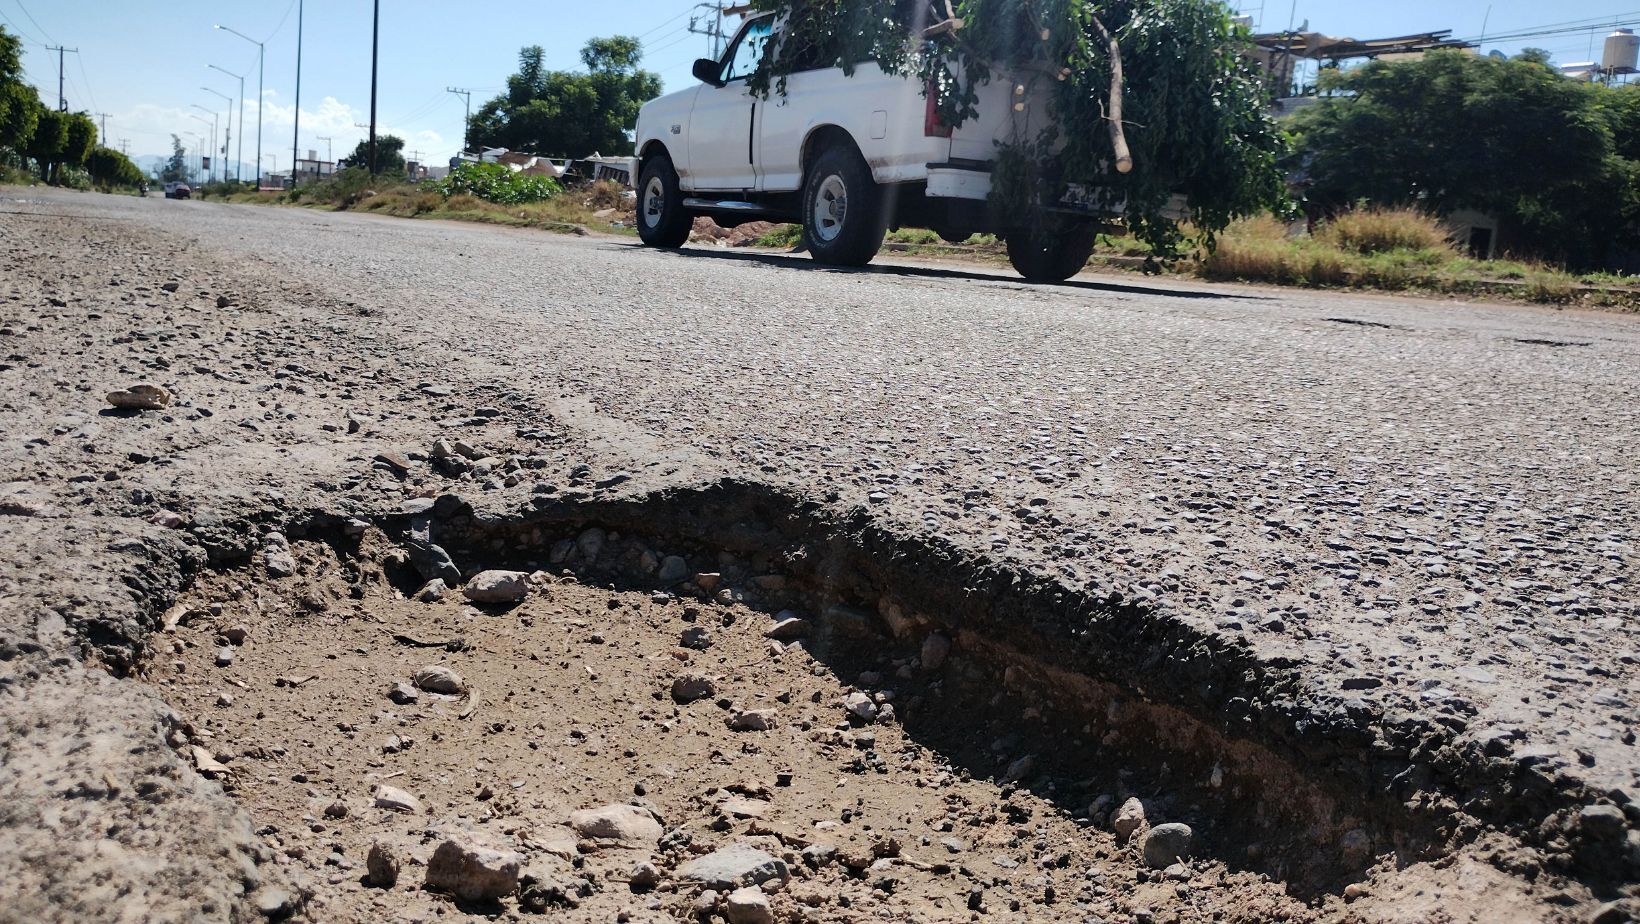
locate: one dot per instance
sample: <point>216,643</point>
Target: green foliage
<point>19,103</point>
<point>389,155</point>
<point>82,137</point>
<point>49,140</point>
<point>1195,113</point>
<point>497,183</point>
<point>568,113</point>
<point>109,168</point>
<point>176,168</point>
<point>1558,160</point>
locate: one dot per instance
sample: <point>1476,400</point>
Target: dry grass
<point>1386,230</point>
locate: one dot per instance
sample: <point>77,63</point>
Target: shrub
<point>1382,230</point>
<point>782,236</point>
<point>498,183</point>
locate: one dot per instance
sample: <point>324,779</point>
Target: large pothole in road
<point>933,738</point>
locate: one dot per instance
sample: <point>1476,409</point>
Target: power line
<point>35,21</point>
<point>80,60</point>
<point>666,23</point>
<point>26,35</point>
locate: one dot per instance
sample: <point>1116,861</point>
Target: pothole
<point>966,729</point>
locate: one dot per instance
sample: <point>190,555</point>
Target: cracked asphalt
<point>1428,505</point>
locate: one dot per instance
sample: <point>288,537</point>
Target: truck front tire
<point>1052,255</point>
<point>662,221</point>
<point>843,221</point>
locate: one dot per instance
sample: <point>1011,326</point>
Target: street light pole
<point>375,37</point>
<point>261,53</point>
<point>239,159</point>
<point>227,132</point>
<point>296,131</point>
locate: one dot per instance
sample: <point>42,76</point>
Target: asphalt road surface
<point>1429,505</point>
<point>1432,501</point>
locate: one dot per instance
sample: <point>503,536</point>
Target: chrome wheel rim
<point>830,208</point>
<point>654,201</point>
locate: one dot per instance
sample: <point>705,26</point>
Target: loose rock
<point>748,906</point>
<point>733,867</point>
<point>689,687</point>
<point>381,866</point>
<point>397,800</point>
<point>1128,819</point>
<point>470,869</point>
<point>1165,845</point>
<point>497,587</point>
<point>141,397</point>
<point>436,678</point>
<point>619,825</point>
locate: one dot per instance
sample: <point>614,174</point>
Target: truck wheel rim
<point>830,208</point>
<point>654,201</point>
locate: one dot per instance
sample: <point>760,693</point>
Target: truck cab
<point>847,155</point>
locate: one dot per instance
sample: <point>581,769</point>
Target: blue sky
<point>144,62</point>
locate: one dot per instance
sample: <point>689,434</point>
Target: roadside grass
<point>1393,250</point>
<point>1387,250</point>
<point>571,211</point>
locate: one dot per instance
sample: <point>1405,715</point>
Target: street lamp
<point>261,52</point>
<point>239,159</point>
<point>213,130</point>
<point>227,132</point>
<point>296,130</point>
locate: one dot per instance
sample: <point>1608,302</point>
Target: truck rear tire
<point>1052,254</point>
<point>662,221</point>
<point>843,223</point>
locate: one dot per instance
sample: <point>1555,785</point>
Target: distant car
<point>178,191</point>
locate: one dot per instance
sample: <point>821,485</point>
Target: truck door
<point>722,128</point>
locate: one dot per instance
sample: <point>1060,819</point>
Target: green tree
<point>175,169</point>
<point>48,142</point>
<point>569,113</point>
<point>82,137</point>
<point>110,168</point>
<point>389,155</point>
<point>19,103</point>
<point>1553,158</point>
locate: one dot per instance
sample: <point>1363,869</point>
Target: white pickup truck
<point>847,156</point>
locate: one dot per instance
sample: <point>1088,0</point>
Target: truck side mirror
<point>709,71</point>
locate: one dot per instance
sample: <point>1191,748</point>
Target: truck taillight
<point>932,126</point>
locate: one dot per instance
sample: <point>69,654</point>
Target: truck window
<point>748,51</point>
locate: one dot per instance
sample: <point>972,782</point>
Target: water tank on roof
<point>1622,52</point>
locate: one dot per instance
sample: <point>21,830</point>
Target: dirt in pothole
<point>570,706</point>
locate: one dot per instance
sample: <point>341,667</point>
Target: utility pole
<point>103,134</point>
<point>261,53</point>
<point>62,101</point>
<point>329,155</point>
<point>375,43</point>
<point>296,131</point>
<point>125,146</point>
<point>713,30</point>
<point>467,122</point>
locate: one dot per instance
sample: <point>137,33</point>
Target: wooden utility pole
<point>62,101</point>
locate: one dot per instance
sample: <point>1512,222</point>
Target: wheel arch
<point>654,147</point>
<point>822,137</point>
